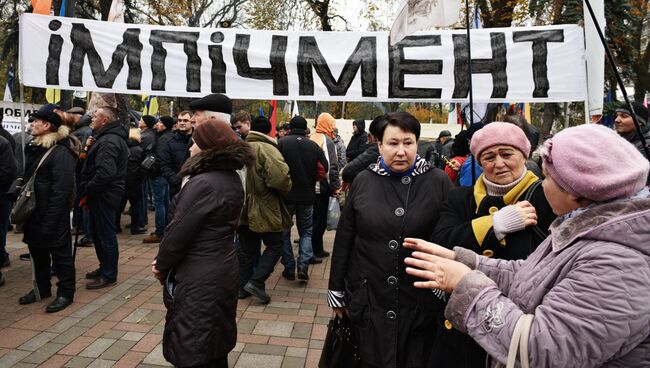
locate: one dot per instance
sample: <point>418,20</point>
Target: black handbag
<point>340,349</point>
<point>26,202</point>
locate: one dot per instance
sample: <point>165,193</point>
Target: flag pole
<point>619,80</point>
<point>469,74</point>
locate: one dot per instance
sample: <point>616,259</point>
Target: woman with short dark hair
<point>398,196</point>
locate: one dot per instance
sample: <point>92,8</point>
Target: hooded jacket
<point>358,141</point>
<point>54,187</point>
<point>104,173</point>
<point>588,286</point>
<point>266,184</point>
<point>198,256</point>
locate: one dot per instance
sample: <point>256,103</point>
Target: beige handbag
<point>519,342</point>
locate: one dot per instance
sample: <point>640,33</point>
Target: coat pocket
<point>359,303</point>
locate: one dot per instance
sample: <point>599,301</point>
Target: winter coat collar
<point>48,140</point>
<point>260,138</point>
<point>480,191</point>
<point>233,157</point>
<point>600,221</point>
<point>420,166</point>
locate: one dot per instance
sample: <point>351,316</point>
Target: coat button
<point>393,244</point>
<point>448,325</point>
<point>488,253</point>
<point>391,315</point>
<point>399,211</point>
<point>406,180</point>
<point>392,280</point>
<point>493,210</point>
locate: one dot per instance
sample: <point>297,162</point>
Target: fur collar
<point>233,157</point>
<point>50,139</point>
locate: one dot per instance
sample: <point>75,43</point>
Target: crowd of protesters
<point>441,246</point>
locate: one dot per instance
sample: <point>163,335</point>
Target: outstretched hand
<point>428,247</point>
<point>438,272</point>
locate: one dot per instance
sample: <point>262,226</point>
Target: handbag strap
<point>43,159</point>
<point>519,342</point>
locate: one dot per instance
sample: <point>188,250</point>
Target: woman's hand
<point>156,273</point>
<point>527,213</point>
<point>440,273</point>
<point>340,312</point>
<point>430,248</point>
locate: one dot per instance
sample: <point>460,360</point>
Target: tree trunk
<point>548,118</point>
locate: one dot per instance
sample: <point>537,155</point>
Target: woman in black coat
<point>196,262</point>
<point>398,197</point>
<point>504,215</point>
<point>47,230</point>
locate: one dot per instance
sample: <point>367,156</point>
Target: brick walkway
<point>122,326</point>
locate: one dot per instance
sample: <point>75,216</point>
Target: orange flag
<point>42,6</point>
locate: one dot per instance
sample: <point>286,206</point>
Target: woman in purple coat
<point>587,286</point>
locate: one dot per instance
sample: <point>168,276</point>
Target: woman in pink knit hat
<point>581,298</point>
<point>505,215</point>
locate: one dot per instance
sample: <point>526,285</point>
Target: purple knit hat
<point>499,133</point>
<point>593,162</point>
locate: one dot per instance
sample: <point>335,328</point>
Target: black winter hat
<point>46,112</point>
<point>298,122</point>
<point>167,121</point>
<point>149,120</point>
<point>261,124</point>
<point>640,110</point>
<point>216,102</point>
<point>444,133</point>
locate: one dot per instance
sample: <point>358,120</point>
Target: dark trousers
<point>102,230</point>
<point>320,222</point>
<point>135,208</point>
<point>61,259</point>
<point>249,251</point>
<point>5,212</point>
<point>160,203</point>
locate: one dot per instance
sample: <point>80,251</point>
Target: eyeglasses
<point>184,120</point>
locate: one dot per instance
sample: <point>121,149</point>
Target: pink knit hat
<point>499,133</point>
<point>593,162</point>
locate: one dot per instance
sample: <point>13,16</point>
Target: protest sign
<point>11,113</point>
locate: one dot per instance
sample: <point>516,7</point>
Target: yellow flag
<point>527,112</point>
<point>150,105</point>
<point>53,95</point>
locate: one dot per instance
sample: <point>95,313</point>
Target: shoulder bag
<point>519,343</point>
<point>26,202</point>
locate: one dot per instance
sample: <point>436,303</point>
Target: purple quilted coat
<point>588,285</point>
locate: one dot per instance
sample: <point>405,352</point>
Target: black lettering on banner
<point>278,70</point>
<point>540,55</point>
<point>193,67</point>
<point>399,66</point>
<point>364,56</point>
<point>53,54</point>
<point>218,71</point>
<point>495,66</point>
<point>82,46</point>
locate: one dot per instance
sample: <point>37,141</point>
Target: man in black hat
<point>443,146</point>
<point>103,181</point>
<point>47,230</point>
<point>215,106</point>
<point>307,165</point>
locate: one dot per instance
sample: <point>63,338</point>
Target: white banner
<point>11,113</point>
<point>536,64</point>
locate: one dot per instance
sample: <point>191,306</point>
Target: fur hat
<point>498,133</point>
<point>593,162</point>
<point>213,134</point>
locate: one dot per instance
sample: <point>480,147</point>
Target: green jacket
<point>267,182</point>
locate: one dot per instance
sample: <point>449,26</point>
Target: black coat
<point>134,176</point>
<point>357,145</point>
<point>455,228</point>
<point>393,318</point>
<point>302,156</point>
<point>198,254</point>
<point>148,139</point>
<point>7,166</point>
<point>172,153</point>
<point>104,172</point>
<point>368,157</point>
<point>161,141</point>
<point>54,187</point>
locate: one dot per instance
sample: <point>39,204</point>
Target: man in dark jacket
<point>624,125</point>
<point>7,176</point>
<point>174,151</point>
<point>359,140</point>
<point>369,156</point>
<point>307,165</point>
<point>103,179</point>
<point>47,230</point>
<point>158,182</point>
<point>264,215</point>
<point>443,147</point>
<point>148,135</point>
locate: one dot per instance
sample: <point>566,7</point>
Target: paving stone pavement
<point>122,326</point>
